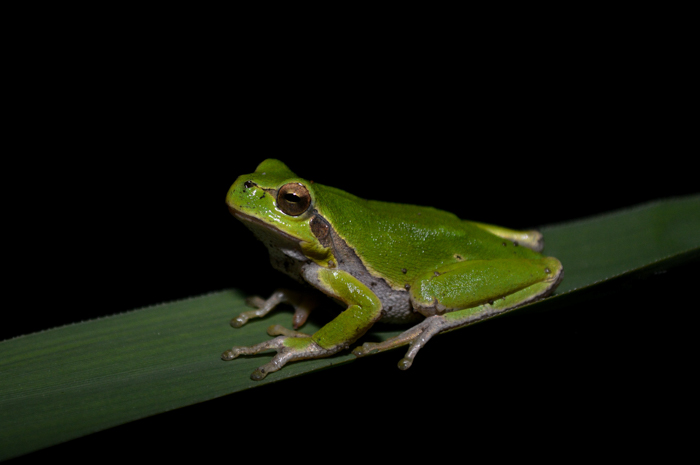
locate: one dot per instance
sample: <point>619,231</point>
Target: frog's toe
<point>366,349</point>
<point>244,317</point>
<point>428,328</point>
<point>283,356</point>
<point>405,363</point>
<point>262,371</point>
<point>230,354</point>
<point>239,321</point>
<point>235,351</point>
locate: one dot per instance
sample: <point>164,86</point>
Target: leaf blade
<point>70,381</point>
<point>609,245</point>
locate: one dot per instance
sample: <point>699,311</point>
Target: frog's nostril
<point>248,184</point>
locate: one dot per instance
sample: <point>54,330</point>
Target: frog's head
<point>275,200</point>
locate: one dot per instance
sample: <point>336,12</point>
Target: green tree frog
<point>383,261</point>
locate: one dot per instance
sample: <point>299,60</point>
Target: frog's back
<point>399,241</point>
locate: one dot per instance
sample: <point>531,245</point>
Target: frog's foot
<point>416,336</point>
<point>288,349</point>
<point>303,305</point>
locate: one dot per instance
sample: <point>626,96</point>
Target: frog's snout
<point>231,195</point>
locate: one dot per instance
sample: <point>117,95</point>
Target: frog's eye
<point>293,198</point>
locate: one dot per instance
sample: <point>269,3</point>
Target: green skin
<point>385,261</point>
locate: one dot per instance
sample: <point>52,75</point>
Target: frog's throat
<point>256,221</point>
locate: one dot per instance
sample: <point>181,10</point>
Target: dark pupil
<point>293,198</point>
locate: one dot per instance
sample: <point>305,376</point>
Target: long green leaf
<point>68,382</point>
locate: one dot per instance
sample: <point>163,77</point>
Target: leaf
<point>71,381</point>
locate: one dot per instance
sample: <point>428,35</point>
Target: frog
<point>382,262</point>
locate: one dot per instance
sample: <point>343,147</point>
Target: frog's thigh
<point>503,283</point>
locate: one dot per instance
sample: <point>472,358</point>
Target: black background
<point>127,158</point>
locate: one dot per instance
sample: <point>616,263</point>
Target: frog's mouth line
<point>251,219</point>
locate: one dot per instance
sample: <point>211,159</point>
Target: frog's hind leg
<point>417,336</point>
<point>420,334</point>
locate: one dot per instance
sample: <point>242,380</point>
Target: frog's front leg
<point>364,308</point>
<point>467,292</point>
<point>288,348</point>
<point>303,304</point>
